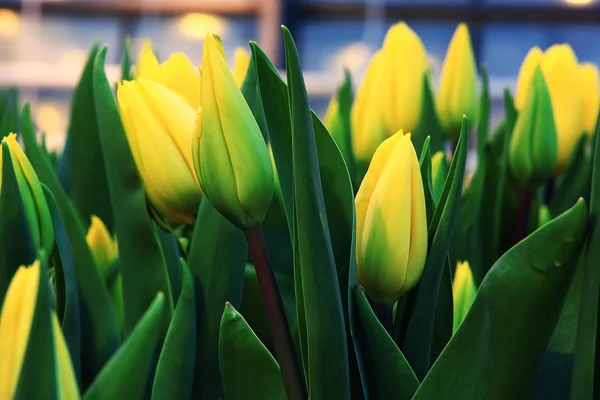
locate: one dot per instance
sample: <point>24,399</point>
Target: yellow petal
<point>181,76</point>
<point>147,64</point>
<point>591,96</point>
<point>67,382</point>
<point>15,325</point>
<point>532,59</point>
<point>241,61</point>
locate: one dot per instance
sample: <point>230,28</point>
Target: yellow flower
<point>36,209</point>
<point>181,76</point>
<point>241,61</point>
<point>591,96</point>
<point>15,326</point>
<point>368,127</point>
<point>563,77</point>
<point>147,64</point>
<point>458,85</point>
<point>230,155</point>
<point>66,381</point>
<point>102,245</point>
<point>159,127</point>
<point>405,65</point>
<point>391,222</point>
<point>463,292</point>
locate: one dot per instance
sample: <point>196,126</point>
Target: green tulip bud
<point>34,202</point>
<point>231,159</point>
<point>439,172</point>
<point>463,292</point>
<point>533,149</point>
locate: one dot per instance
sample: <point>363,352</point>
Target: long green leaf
<point>217,260</point>
<point>483,126</point>
<point>425,164</point>
<point>175,369</point>
<point>429,123</point>
<point>497,348</point>
<point>128,372</point>
<point>82,157</point>
<point>419,336</point>
<point>574,182</point>
<point>249,371</point>
<point>391,374</point>
<point>321,316</point>
<point>98,320</point>
<point>137,238</point>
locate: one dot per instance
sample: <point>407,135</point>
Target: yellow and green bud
<point>241,61</point>
<point>405,64</point>
<point>34,202</point>
<point>591,97</point>
<point>368,126</point>
<point>463,292</point>
<point>544,215</point>
<point>230,155</point>
<point>458,93</point>
<point>391,222</point>
<point>159,125</point>
<point>533,148</point>
<point>439,172</point>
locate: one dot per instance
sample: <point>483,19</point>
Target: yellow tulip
<point>230,155</point>
<point>34,201</point>
<point>458,85</point>
<point>67,383</point>
<point>463,292</point>
<point>102,245</point>
<point>591,96</point>
<point>181,76</point>
<point>368,127</point>
<point>391,222</point>
<point>405,65</point>
<point>563,77</point>
<point>15,326</point>
<point>147,64</point>
<point>159,125</point>
<point>241,61</point>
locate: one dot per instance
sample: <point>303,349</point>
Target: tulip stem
<point>522,223</point>
<point>280,331</point>
<point>385,314</point>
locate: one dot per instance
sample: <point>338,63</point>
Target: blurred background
<point>44,43</point>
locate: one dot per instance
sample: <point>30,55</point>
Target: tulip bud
<point>338,127</point>
<point>147,64</point>
<point>368,129</point>
<point>591,97</point>
<point>181,76</point>
<point>34,202</point>
<point>544,216</point>
<point>439,172</point>
<point>533,144</point>
<point>230,155</point>
<point>241,61</point>
<point>405,63</point>
<point>458,85</point>
<point>463,292</point>
<point>67,383</point>
<point>103,247</point>
<point>530,63</point>
<point>391,222</point>
<point>159,125</point>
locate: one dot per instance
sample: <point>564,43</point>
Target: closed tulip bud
<point>230,155</point>
<point>591,97</point>
<point>159,125</point>
<point>463,292</point>
<point>103,246</point>
<point>544,215</point>
<point>338,127</point>
<point>391,222</point>
<point>458,85</point>
<point>66,381</point>
<point>439,172</point>
<point>405,64</point>
<point>533,144</point>
<point>368,129</point>
<point>563,78</point>
<point>147,64</point>
<point>34,202</point>
<point>241,61</point>
<point>181,76</point>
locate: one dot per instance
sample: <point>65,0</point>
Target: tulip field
<point>204,234</point>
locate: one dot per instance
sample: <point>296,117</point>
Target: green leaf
<point>392,376</point>
<point>342,129</point>
<point>429,123</point>
<point>419,336</point>
<point>320,314</point>
<point>175,369</point>
<point>66,285</point>
<point>126,74</point>
<point>216,260</point>
<point>171,250</point>
<point>483,126</point>
<point>14,228</point>
<point>497,349</point>
<point>128,372</point>
<point>82,158</point>
<point>37,378</point>
<point>425,164</point>
<point>444,314</point>
<point>137,238</point>
<point>249,371</point>
<point>97,317</point>
<point>250,91</point>
<point>586,366</point>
